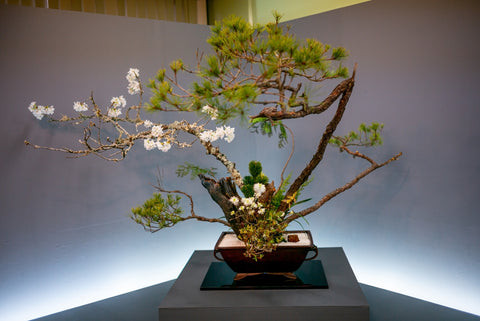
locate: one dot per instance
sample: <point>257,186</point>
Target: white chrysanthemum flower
<point>234,200</point>
<point>259,189</point>
<point>80,106</point>
<point>261,211</point>
<point>229,133</point>
<point>114,112</point>
<point>248,201</point>
<point>210,111</point>
<point>157,131</point>
<point>149,144</point>
<point>118,102</point>
<point>147,123</point>
<point>164,146</point>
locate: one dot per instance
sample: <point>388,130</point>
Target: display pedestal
<point>343,300</point>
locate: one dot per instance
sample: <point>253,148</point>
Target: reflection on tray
<point>309,276</point>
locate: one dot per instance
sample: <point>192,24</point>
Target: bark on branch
<point>275,114</point>
<point>221,192</point>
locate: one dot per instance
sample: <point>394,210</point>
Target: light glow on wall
<point>49,296</point>
<point>424,289</point>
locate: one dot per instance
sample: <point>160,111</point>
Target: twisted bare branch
<point>318,155</point>
<point>374,166</point>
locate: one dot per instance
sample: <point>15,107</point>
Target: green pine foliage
<point>194,170</point>
<point>265,126</point>
<point>158,212</point>
<point>256,176</point>
<point>248,61</point>
<point>366,135</point>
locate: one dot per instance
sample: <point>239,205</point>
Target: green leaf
<point>302,201</point>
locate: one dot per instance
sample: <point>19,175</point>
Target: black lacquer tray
<point>221,277</point>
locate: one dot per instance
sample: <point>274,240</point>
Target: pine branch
<point>318,156</point>
<point>193,215</point>
<point>275,114</point>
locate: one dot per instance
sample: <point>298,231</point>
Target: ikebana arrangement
<point>259,75</point>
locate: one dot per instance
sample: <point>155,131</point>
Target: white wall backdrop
<point>413,227</point>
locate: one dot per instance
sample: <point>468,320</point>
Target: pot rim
<point>287,244</point>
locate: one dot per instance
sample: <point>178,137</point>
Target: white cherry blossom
<point>164,146</point>
<point>80,106</point>
<point>133,74</point>
<point>157,131</point>
<point>229,133</point>
<point>39,111</point>
<point>118,102</point>
<point>208,136</point>
<point>149,144</point>
<point>133,83</point>
<point>114,112</point>
<point>210,111</point>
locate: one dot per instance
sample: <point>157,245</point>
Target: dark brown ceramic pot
<point>288,256</point>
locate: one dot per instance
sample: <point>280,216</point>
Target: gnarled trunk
<point>221,192</point>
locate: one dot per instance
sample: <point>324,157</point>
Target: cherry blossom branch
<point>211,150</point>
<point>122,145</point>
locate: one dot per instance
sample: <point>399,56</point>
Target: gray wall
<point>413,227</point>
